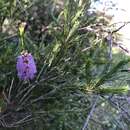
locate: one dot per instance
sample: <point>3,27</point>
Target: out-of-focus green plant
<point>73,66</point>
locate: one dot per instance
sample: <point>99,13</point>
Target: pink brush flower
<point>26,67</point>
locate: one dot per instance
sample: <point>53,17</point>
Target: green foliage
<point>70,64</point>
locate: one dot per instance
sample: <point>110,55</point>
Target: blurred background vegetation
<point>82,81</point>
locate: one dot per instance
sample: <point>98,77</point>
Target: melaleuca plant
<point>55,88</point>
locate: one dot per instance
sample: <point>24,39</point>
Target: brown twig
<point>90,114</point>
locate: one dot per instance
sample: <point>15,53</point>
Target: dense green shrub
<point>73,67</point>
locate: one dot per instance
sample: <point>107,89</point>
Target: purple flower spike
<point>26,66</point>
